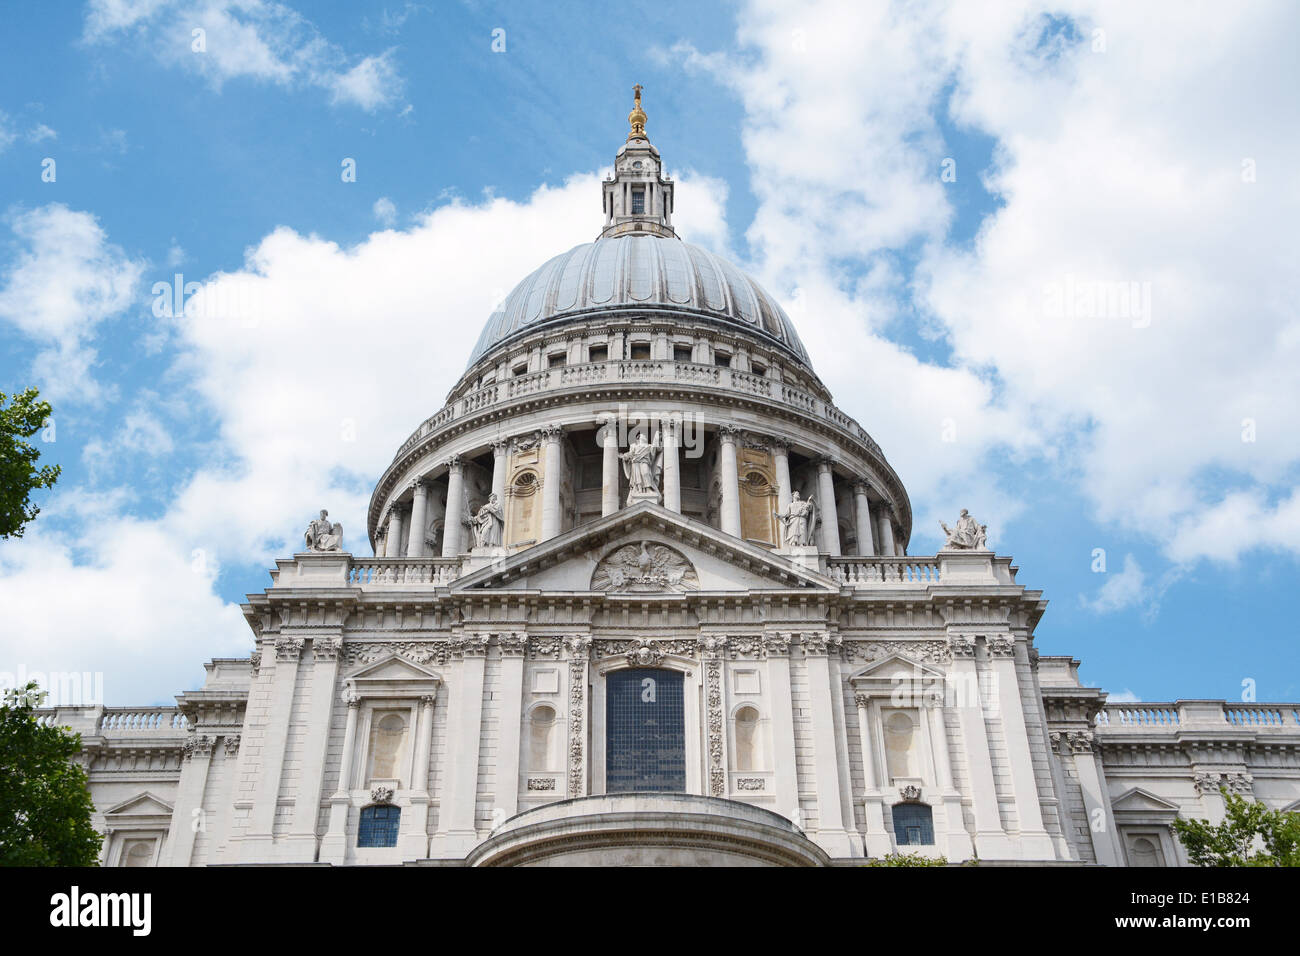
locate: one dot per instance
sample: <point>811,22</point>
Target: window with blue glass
<point>645,731</point>
<point>379,826</point>
<point>913,824</point>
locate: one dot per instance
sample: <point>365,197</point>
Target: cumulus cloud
<point>315,361</point>
<point>385,211</point>
<point>1124,315</point>
<point>260,40</point>
<point>65,279</point>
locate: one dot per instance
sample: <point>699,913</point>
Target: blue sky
<point>1095,147</point>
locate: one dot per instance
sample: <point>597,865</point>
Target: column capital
<point>825,463</point>
<point>419,485</point>
<point>961,645</point>
<point>500,446</point>
<point>396,508</point>
<point>454,463</point>
<point>862,700</point>
<point>1001,645</point>
<point>326,648</point>
<point>778,446</point>
<point>860,486</point>
<point>513,645</point>
<point>551,433</point>
<point>288,648</point>
<point>426,700</point>
<point>728,433</point>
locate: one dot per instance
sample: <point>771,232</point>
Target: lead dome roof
<point>618,273</point>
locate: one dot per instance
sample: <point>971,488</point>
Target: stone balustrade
<point>636,371</point>
<point>1198,715</point>
<point>127,721</point>
<point>881,571</point>
<point>370,572</point>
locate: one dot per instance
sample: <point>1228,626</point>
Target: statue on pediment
<point>799,523</point>
<point>488,524</point>
<point>643,463</point>
<point>321,535</point>
<point>966,535</point>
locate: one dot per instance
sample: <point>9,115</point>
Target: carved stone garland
<point>713,697</point>
<point>580,648</point>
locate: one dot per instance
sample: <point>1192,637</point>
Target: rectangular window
<point>640,351</point>
<point>759,368</point>
<point>638,201</point>
<point>521,369</point>
<point>722,359</point>
<point>555,360</point>
<point>645,731</point>
<point>379,826</point>
<point>598,353</point>
<point>682,353</point>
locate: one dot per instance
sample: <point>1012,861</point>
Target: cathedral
<point>640,593</point>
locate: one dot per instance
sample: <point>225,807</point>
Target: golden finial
<point>637,116</point>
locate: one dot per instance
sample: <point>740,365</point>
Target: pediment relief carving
<point>645,567</point>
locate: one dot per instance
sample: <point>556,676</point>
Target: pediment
<point>142,804</point>
<point>1142,801</point>
<point>393,668</point>
<point>896,667</point>
<point>642,550</point>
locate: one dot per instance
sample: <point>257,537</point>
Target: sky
<point>1044,253</point>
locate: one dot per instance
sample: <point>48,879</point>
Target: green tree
<point>19,477</point>
<point>907,859</point>
<point>45,806</point>
<point>1233,841</point>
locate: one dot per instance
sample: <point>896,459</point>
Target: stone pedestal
<point>805,556</point>
<point>482,557</point>
<point>636,497</point>
<point>966,567</point>
<point>314,569</point>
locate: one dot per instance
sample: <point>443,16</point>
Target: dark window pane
<point>379,826</point>
<point>638,202</point>
<point>913,824</point>
<point>645,731</point>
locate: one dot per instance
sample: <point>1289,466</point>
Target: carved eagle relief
<point>645,567</point>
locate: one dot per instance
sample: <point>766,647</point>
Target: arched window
<point>645,731</point>
<point>138,853</point>
<point>749,754</point>
<point>541,739</point>
<point>386,746</point>
<point>900,731</point>
<point>379,826</point>
<point>913,824</point>
<point>1144,852</point>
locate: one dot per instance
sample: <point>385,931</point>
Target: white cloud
<point>259,40</point>
<point>7,132</point>
<point>66,278</point>
<point>385,211</point>
<point>40,132</point>
<point>1117,167</point>
<point>1122,589</point>
<point>1124,696</point>
<point>346,352</point>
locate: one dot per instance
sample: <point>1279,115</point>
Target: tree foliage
<point>1250,834</point>
<point>45,806</point>
<point>907,859</point>
<point>20,419</point>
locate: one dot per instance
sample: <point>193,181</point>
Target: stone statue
<point>967,535</point>
<point>488,524</point>
<point>799,522</point>
<point>643,463</point>
<point>323,536</point>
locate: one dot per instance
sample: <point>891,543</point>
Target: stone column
<point>259,842</point>
<point>453,526</point>
<point>333,848</point>
<point>959,842</point>
<point>609,465</point>
<point>393,540</point>
<point>419,518</point>
<point>513,648</point>
<point>465,724</point>
<point>886,542</point>
<point>500,450</point>
<point>831,835</point>
<point>990,839</point>
<point>827,517</point>
<point>1105,844</point>
<point>672,468</point>
<point>195,764</point>
<point>877,842</point>
<point>862,519</point>
<point>776,647</point>
<point>781,460</point>
<point>551,481</point>
<point>301,843</point>
<point>1035,844</point>
<point>730,517</point>
<point>414,838</point>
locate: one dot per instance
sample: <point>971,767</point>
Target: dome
<point>639,272</point>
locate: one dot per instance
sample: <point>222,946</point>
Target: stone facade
<point>822,700</point>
